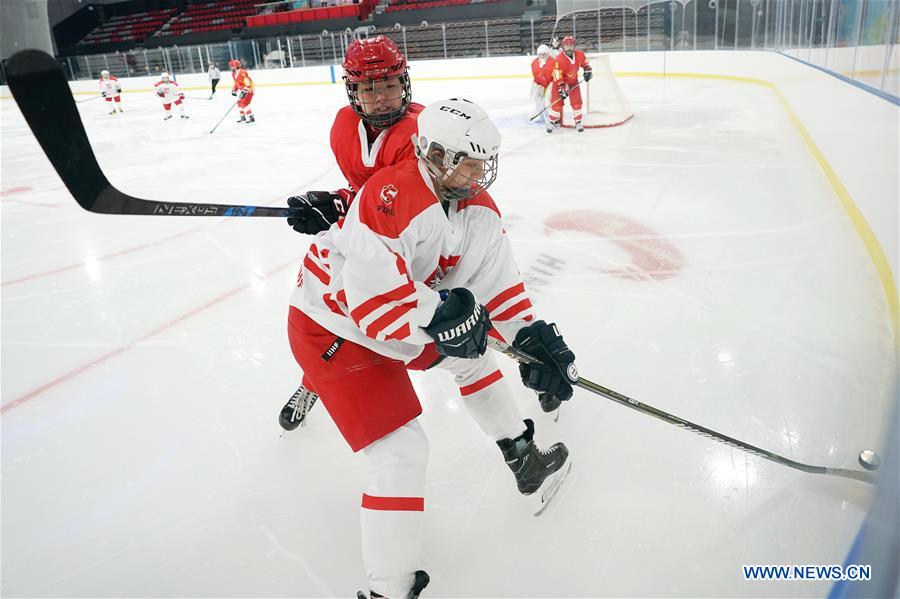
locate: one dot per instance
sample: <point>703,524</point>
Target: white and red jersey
<point>110,86</point>
<point>542,73</point>
<point>374,278</point>
<point>566,68</point>
<point>359,160</point>
<point>168,91</point>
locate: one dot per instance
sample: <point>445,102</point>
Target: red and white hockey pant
<point>244,104</point>
<point>179,103</point>
<point>373,403</point>
<point>556,102</point>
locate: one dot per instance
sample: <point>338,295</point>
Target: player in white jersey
<point>168,93</point>
<point>111,90</point>
<point>417,275</point>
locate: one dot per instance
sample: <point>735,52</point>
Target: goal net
<point>603,103</point>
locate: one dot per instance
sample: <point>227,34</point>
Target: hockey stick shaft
<point>39,86</point>
<point>628,402</point>
<point>227,112</point>
<point>89,99</point>
<point>560,99</point>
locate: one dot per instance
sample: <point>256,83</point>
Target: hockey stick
<point>227,112</point>
<point>547,107</point>
<point>520,356</point>
<point>40,88</point>
<point>89,99</point>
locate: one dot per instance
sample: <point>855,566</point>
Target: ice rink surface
<point>695,259</point>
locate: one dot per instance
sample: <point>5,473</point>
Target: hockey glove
<point>161,94</point>
<point>242,94</point>
<point>103,94</point>
<point>317,210</point>
<point>460,325</point>
<point>234,92</point>
<point>118,90</point>
<point>553,377</point>
<point>563,91</point>
<point>588,73</point>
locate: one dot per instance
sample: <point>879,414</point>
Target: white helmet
<point>451,131</point>
<point>104,73</point>
<point>543,51</point>
<point>164,75</point>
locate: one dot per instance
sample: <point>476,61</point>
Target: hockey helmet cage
<point>449,132</point>
<point>371,60</point>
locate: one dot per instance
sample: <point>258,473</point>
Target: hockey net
<point>603,103</point>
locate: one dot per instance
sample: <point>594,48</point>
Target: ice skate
<point>420,581</point>
<point>167,117</point>
<point>538,473</point>
<point>252,119</point>
<point>184,116</point>
<point>579,127</point>
<point>243,119</point>
<point>294,412</point>
<point>549,128</point>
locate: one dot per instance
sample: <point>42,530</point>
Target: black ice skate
<point>294,412</point>
<point>420,581</point>
<point>243,119</point>
<point>184,116</point>
<point>579,127</point>
<point>252,119</point>
<point>550,126</point>
<point>538,473</point>
<point>167,117</point>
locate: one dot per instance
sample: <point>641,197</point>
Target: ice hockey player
<point>168,93</point>
<point>111,90</point>
<point>566,84</point>
<point>370,133</point>
<point>243,89</point>
<point>542,77</point>
<point>398,285</point>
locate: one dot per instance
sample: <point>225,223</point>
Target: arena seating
<point>344,11</point>
<point>210,16</point>
<point>131,28</point>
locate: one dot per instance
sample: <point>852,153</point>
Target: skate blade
<point>543,496</point>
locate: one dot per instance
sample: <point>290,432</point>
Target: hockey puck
<point>869,460</point>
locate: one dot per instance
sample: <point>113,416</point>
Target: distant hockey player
<point>554,47</point>
<point>381,112</point>
<point>111,90</point>
<point>243,89</point>
<point>214,76</point>
<point>542,77</point>
<point>417,275</point>
<point>168,93</point>
<point>566,84</point>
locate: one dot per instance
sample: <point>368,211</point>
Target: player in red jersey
<point>566,84</point>
<point>542,76</point>
<point>243,89</point>
<point>373,131</point>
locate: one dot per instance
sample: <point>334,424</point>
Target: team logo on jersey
<point>388,194</point>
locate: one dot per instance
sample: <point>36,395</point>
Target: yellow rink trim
<point>870,241</point>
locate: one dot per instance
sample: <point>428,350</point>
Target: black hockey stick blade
<point>583,383</point>
<point>39,86</point>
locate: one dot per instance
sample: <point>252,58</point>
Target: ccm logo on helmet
<point>452,110</point>
<point>388,193</point>
<point>462,328</point>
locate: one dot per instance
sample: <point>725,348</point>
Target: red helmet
<point>569,40</point>
<point>376,59</point>
<point>234,64</point>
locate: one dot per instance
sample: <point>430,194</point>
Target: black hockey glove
<point>563,91</point>
<point>588,73</point>
<point>460,325</point>
<point>234,92</point>
<point>103,94</point>
<point>317,210</point>
<point>242,94</point>
<point>552,378</point>
<point>118,90</point>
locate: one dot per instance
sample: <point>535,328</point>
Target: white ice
<point>700,263</point>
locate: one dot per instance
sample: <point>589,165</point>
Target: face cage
<point>445,170</point>
<point>380,121</point>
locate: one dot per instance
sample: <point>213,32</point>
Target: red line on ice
<point>105,357</point>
